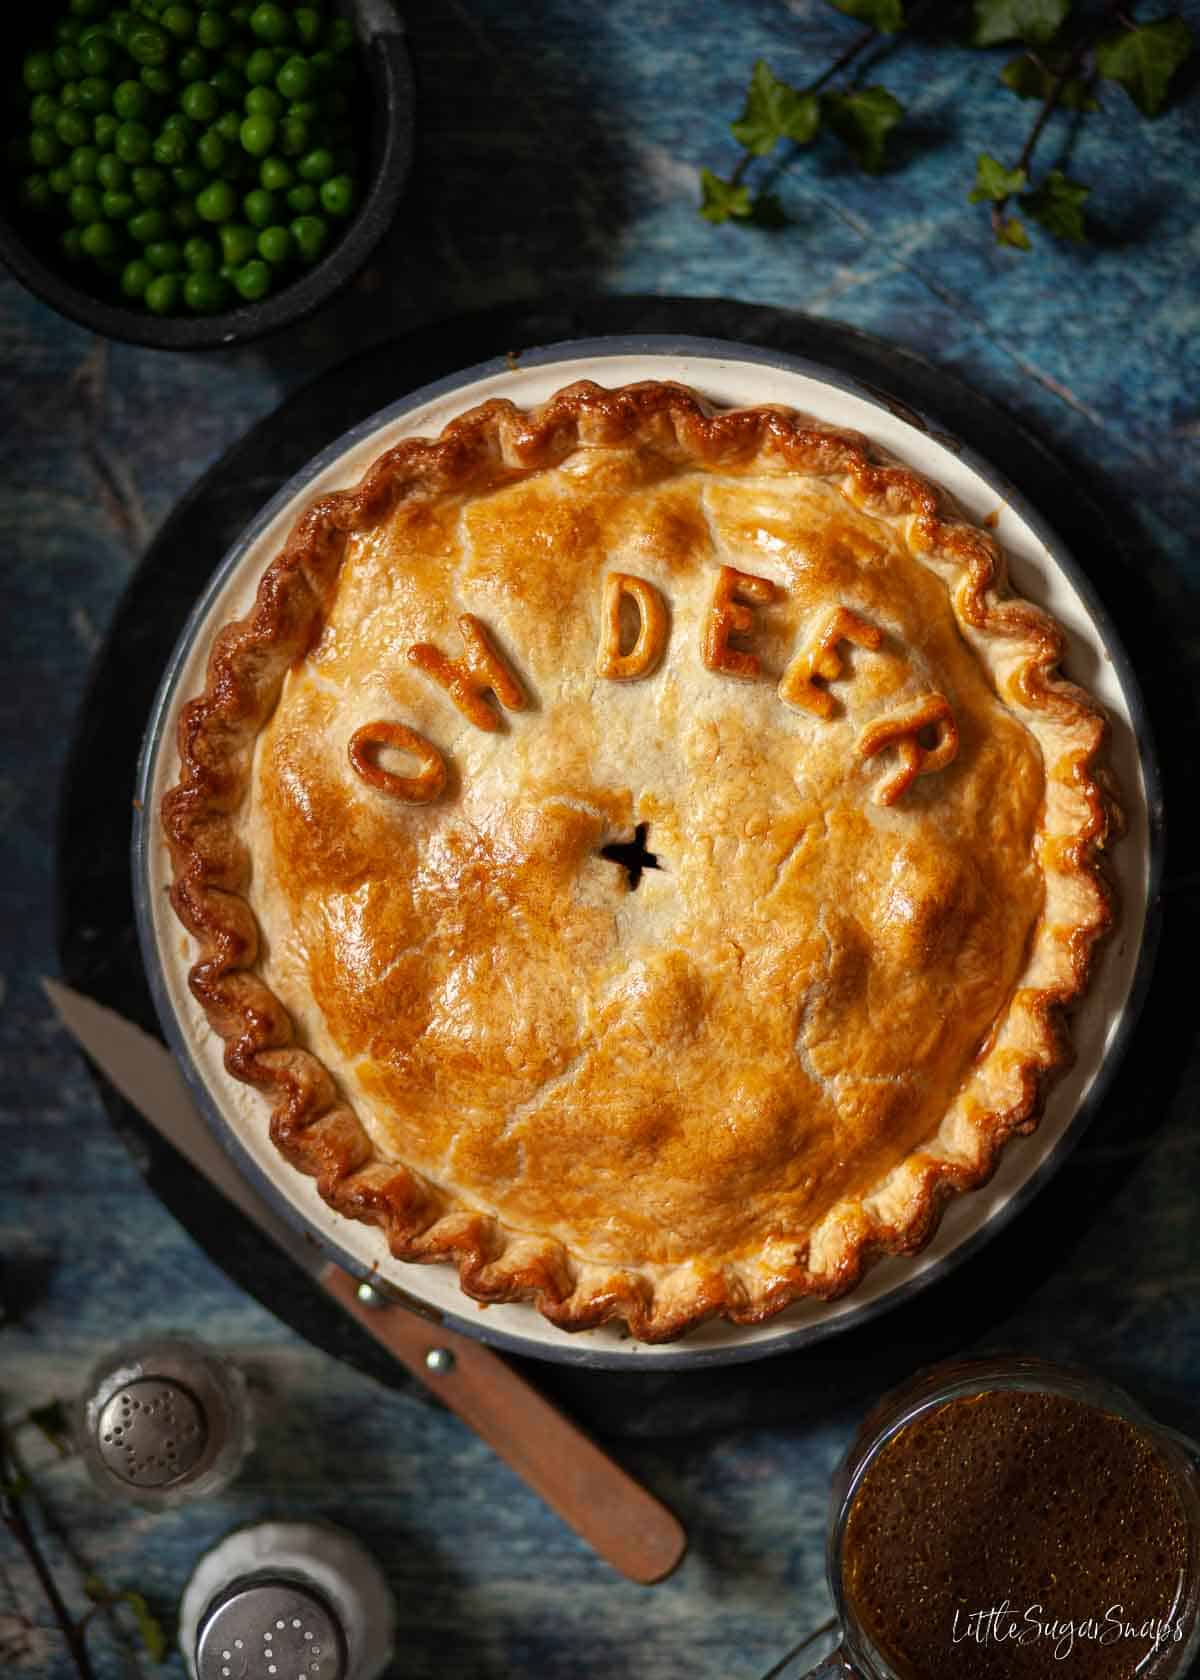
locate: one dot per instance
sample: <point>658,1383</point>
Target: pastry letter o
<point>728,615</point>
<point>413,790</point>
<point>647,650</point>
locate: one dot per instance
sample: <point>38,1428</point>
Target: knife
<point>624,1523</point>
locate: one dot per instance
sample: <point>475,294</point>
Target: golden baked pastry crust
<point>872,798</point>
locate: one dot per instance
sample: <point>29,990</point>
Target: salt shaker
<point>162,1421</point>
<point>287,1601</point>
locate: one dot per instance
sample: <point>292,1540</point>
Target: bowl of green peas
<point>188,174</point>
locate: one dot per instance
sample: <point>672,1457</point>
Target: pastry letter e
<point>730,613</point>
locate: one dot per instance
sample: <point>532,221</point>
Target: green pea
<point>171,147</point>
<point>217,202</point>
<point>111,172</point>
<point>69,243</point>
<point>157,80</point>
<point>258,135</point>
<point>162,294</point>
<point>193,65</point>
<point>228,84</point>
<point>83,164</point>
<point>116,205</point>
<point>85,8</point>
<point>133,142</point>
<point>188,179</point>
<point>310,234</point>
<point>270,23</point>
<point>179,21</point>
<point>275,245</point>
<point>260,68</point>
<point>253,280</point>
<point>73,129</point>
<point>183,216</point>
<point>164,256</point>
<point>95,56</point>
<point>229,126</point>
<point>83,205</point>
<point>292,137</point>
<point>130,100</point>
<point>68,95</point>
<point>210,150</point>
<point>148,44</point>
<point>150,186</point>
<point>238,243</point>
<point>205,293</point>
<point>307,24</point>
<point>200,255</point>
<point>303,199</point>
<point>43,110</point>
<point>264,102</point>
<point>36,192</point>
<point>275,174</point>
<point>99,239</point>
<point>135,277</point>
<point>45,148</point>
<point>341,35</point>
<point>240,15</point>
<point>211,30</point>
<point>295,79</point>
<point>317,165</point>
<point>95,95</point>
<point>104,130</point>
<point>148,226</point>
<point>121,22</point>
<point>306,109</point>
<point>258,207</point>
<point>66,64</point>
<point>60,182</point>
<point>200,101</point>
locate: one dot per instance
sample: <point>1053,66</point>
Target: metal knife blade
<point>625,1523</point>
<point>148,1077</point>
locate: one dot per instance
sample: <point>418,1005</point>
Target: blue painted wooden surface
<point>558,152</point>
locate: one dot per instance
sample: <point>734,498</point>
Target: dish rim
<point>574,1350</point>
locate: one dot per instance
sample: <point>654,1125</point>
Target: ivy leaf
<point>1057,205</point>
<point>1010,231</point>
<point>884,15</point>
<point>862,121</point>
<point>775,111</point>
<point>719,200</point>
<point>1143,60</point>
<point>1030,79</point>
<point>1017,20</point>
<point>993,182</point>
<point>54,1424</point>
<point>150,1629</point>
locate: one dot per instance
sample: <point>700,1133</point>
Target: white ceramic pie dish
<point>730,376</point>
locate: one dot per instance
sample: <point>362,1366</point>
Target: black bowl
<point>390,144</point>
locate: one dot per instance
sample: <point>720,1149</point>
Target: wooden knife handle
<point>629,1528</point>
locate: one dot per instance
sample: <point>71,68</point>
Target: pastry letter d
<point>647,649</point>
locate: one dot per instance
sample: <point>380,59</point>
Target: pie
<point>642,853</point>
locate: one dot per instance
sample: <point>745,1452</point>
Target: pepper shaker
<point>162,1421</point>
<point>287,1601</point>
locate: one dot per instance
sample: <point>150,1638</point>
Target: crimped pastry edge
<point>315,1129</point>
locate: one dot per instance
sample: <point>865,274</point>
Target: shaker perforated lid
<point>152,1432</point>
<point>269,1628</point>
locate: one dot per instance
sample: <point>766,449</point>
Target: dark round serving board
<point>98,944</point>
